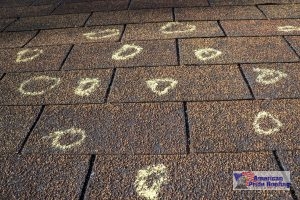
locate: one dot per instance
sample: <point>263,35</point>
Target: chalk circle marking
<point>207,53</point>
<point>261,115</point>
<point>56,82</point>
<point>269,76</point>
<point>117,55</point>
<point>145,190</point>
<point>153,84</point>
<point>188,28</point>
<point>82,90</point>
<point>102,34</point>
<point>57,135</point>
<point>21,55</point>
<point>288,28</point>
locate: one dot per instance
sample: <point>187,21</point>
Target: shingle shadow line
<point>37,32</point>
<point>187,127</point>
<point>66,57</point>
<point>2,76</point>
<point>33,2</point>
<point>152,66</point>
<point>122,34</point>
<point>31,129</point>
<point>164,39</point>
<point>55,7</point>
<point>5,27</point>
<point>110,85</point>
<point>221,27</point>
<point>173,15</point>
<point>177,52</point>
<point>121,41</point>
<point>154,155</point>
<point>129,4</point>
<point>246,81</point>
<point>87,19</point>
<point>262,12</point>
<point>291,46</point>
<point>87,177</point>
<point>206,6</point>
<point>208,1</point>
<point>87,69</point>
<point>282,168</point>
<point>154,102</point>
<point>115,24</point>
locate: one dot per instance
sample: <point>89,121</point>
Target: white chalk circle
<point>154,83</point>
<point>101,34</point>
<point>127,48</point>
<point>207,53</point>
<point>269,76</point>
<point>288,28</point>
<point>56,82</point>
<point>87,86</point>
<point>178,26</point>
<point>159,177</point>
<point>261,115</point>
<point>57,135</point>
<point>25,55</point>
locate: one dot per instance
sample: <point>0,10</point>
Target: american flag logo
<point>249,177</point>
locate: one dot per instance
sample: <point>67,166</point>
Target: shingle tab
<point>138,4</point>
<point>218,13</point>
<point>71,87</point>
<point>271,81</point>
<point>130,16</point>
<point>41,177</point>
<point>127,54</point>
<point>238,126</point>
<point>261,27</point>
<point>110,129</point>
<point>15,123</point>
<point>186,83</point>
<point>198,176</point>
<point>281,11</point>
<point>167,30</point>
<point>77,35</point>
<point>48,22</point>
<point>32,59</point>
<point>15,39</point>
<point>87,7</point>
<point>235,50</point>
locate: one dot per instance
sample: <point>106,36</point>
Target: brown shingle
<point>47,22</point>
<point>55,87</point>
<point>218,13</point>
<point>281,11</point>
<point>110,129</point>
<point>235,50</point>
<point>144,53</point>
<point>15,39</point>
<point>167,30</point>
<point>138,4</point>
<point>77,35</point>
<point>261,27</point>
<point>42,177</point>
<point>14,126</point>
<point>236,126</point>
<point>197,176</point>
<point>186,83</point>
<point>246,2</point>
<point>130,16</point>
<point>32,59</point>
<point>271,81</point>
<point>87,7</point>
